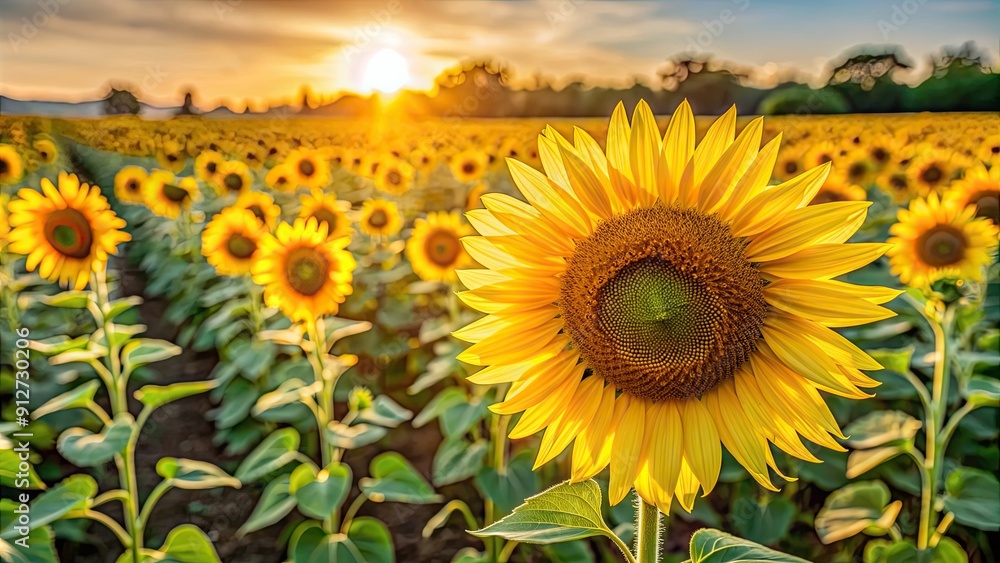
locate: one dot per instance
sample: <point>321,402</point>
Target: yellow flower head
<point>309,167</point>
<point>980,188</point>
<point>206,165</point>
<point>231,240</point>
<point>304,272</point>
<point>281,178</point>
<point>328,211</point>
<point>933,241</point>
<point>435,249</point>
<point>128,184</point>
<point>66,233</point>
<point>166,195</point>
<point>380,218</point>
<point>469,166</point>
<point>261,205</point>
<point>46,149</point>
<point>657,300</point>
<point>394,175</point>
<point>11,165</point>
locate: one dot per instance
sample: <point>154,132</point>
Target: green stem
<point>103,518</point>
<point>324,406</point>
<point>147,509</point>
<point>949,428</point>
<point>352,511</point>
<point>935,418</point>
<point>647,543</point>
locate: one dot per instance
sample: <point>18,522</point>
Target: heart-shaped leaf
<point>279,448</point>
<point>142,351</point>
<point>274,504</point>
<point>40,542</point>
<point>764,521</point>
<point>509,491</point>
<point>289,391</point>
<point>879,428</point>
<point>441,402</point>
<point>349,437</point>
<point>974,497</point>
<point>194,475</point>
<point>119,306</point>
<point>385,412</point>
<point>714,546</point>
<point>862,461</point>
<point>11,472</point>
<point>73,493</point>
<point>188,544</point>
<point>457,460</point>
<point>320,493</point>
<point>83,448</point>
<point>153,396</point>
<point>983,391</point>
<point>68,299</point>
<point>394,479</point>
<point>77,398</point>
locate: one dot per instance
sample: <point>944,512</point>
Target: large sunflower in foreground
<point>231,239</point>
<point>65,232</point>
<point>304,273</point>
<point>657,301</point>
<point>435,250</point>
<point>935,240</point>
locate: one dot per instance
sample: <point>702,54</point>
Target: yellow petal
<point>529,222</point>
<point>702,446</point>
<point>806,359</point>
<point>718,138</point>
<point>548,153</point>
<point>571,421</point>
<point>513,345</point>
<point>722,178</point>
<point>502,323</point>
<point>824,302</point>
<point>738,433</point>
<point>592,449</point>
<point>486,224</point>
<point>753,181</point>
<point>553,202</point>
<point>587,186</point>
<point>840,349</point>
<point>687,487</point>
<point>825,261</point>
<point>548,379</point>
<point>619,163</point>
<point>487,253</point>
<point>769,207</point>
<point>547,410</point>
<point>644,149</point>
<point>666,446</point>
<point>678,147</point>
<point>628,449</point>
<point>816,224</point>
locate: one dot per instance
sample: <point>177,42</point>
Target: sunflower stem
<point>935,419</point>
<point>647,542</point>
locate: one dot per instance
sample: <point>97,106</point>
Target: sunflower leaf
<point>714,546</point>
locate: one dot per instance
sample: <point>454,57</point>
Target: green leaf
<point>765,522</point>
<point>437,370</point>
<point>274,504</point>
<point>566,512</point>
<point>858,507</point>
<point>894,360</point>
<point>153,396</point>
<point>188,544</point>
<point>119,306</point>
<point>509,491</point>
<point>10,467</point>
<point>73,493</point>
<point>569,552</point>
<point>67,299</point>
<point>371,539</point>
<point>441,402</point>
<point>457,460</point>
<point>385,412</point>
<point>142,351</point>
<point>59,344</point>
<point>83,448</point>
<point>194,475</point>
<point>974,497</point>
<point>319,494</point>
<point>394,479</point>
<point>879,428</point>
<point>862,461</point>
<point>458,419</point>
<point>903,551</point>
<point>983,391</point>
<point>83,356</point>
<point>289,391</point>
<point>350,437</point>
<point>41,547</point>
<point>77,398</point>
<point>279,448</point>
<point>714,546</point>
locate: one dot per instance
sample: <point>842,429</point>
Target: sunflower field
<point>638,338</point>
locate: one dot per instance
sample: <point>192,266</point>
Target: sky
<point>259,50</point>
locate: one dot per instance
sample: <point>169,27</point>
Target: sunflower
<point>170,156</point>
<point>394,175</point>
<point>304,272</point>
<point>469,165</point>
<point>46,149</point>
<point>435,250</point>
<point>656,299</point>
<point>930,171</point>
<point>328,211</point>
<point>280,178</point>
<point>380,218</point>
<point>128,184</point>
<point>788,164</point>
<point>896,182</point>
<point>261,205</point>
<point>820,153</point>
<point>206,165</point>
<point>310,169</point>
<point>933,241</point>
<point>838,188</point>
<point>979,187</point>
<point>233,178</point>
<point>65,232</point>
<point>368,165</point>
<point>11,165</point>
<point>231,239</point>
<point>989,150</point>
<point>167,196</point>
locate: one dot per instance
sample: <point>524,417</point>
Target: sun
<point>386,71</point>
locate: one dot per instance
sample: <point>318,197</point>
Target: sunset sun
<point>386,71</point>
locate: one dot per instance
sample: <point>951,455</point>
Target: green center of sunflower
<point>663,302</point>
<point>442,248</point>
<point>942,246</point>
<point>326,215</point>
<point>69,232</point>
<point>306,270</point>
<point>987,204</point>
<point>378,218</point>
<point>241,246</point>
<point>234,181</point>
<point>306,168</point>
<point>931,175</point>
<point>175,194</point>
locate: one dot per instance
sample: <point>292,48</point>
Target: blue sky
<point>266,49</point>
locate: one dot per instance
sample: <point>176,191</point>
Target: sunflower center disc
<point>393,177</point>
<point>4,167</point>
<point>941,246</point>
<point>324,215</point>
<point>174,193</point>
<point>663,302</point>
<point>987,204</point>
<point>132,186</point>
<point>234,182</point>
<point>306,168</point>
<point>258,212</point>
<point>69,232</point>
<point>306,270</point>
<point>442,248</point>
<point>932,175</point>
<point>378,218</point>
<point>241,246</point>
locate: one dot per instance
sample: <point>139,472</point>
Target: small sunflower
<point>933,241</point>
<point>989,150</point>
<point>469,165</point>
<point>47,150</point>
<point>435,250</point>
<point>304,272</point>
<point>128,184</point>
<point>231,240</point>
<point>233,178</point>
<point>930,172</point>
<point>380,218</point>
<point>979,187</point>
<point>788,164</point>
<point>838,188</point>
<point>11,165</point>
<point>896,182</point>
<point>206,165</point>
<point>170,156</point>
<point>261,205</point>
<point>328,211</point>
<point>310,169</point>
<point>166,195</point>
<point>66,233</point>
<point>280,178</point>
<point>657,301</point>
<point>394,175</point>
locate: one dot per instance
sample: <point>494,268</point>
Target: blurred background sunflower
<point>380,218</point>
<point>231,239</point>
<point>435,250</point>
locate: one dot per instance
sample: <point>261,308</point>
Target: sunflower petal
<point>816,224</point>
<point>824,302</point>
<point>592,449</point>
<point>702,445</point>
<point>722,178</point>
<point>571,421</point>
<point>678,147</point>
<point>629,447</point>
<point>825,261</point>
<point>768,208</point>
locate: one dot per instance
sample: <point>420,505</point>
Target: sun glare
<point>386,71</point>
